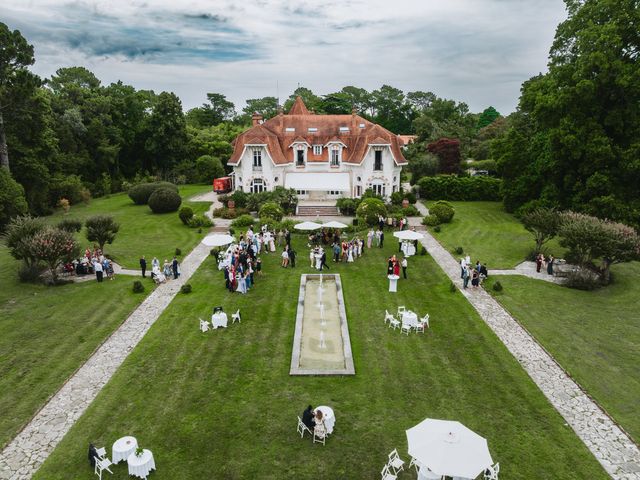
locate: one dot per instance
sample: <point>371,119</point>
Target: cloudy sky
<point>476,51</point>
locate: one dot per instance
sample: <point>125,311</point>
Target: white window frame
<point>258,185</point>
<point>300,148</point>
<point>317,149</point>
<point>336,156</point>
<point>257,158</point>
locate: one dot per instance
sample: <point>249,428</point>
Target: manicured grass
<point>46,333</point>
<point>222,404</point>
<point>142,232</point>
<point>594,335</point>
<point>489,234</point>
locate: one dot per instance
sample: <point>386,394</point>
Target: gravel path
<point>611,446</point>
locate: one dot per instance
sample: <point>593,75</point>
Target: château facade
<point>322,157</point>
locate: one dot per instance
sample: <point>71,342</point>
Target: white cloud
<point>478,51</point>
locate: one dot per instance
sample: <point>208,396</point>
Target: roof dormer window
<point>362,125</point>
<point>312,129</point>
<point>317,150</point>
<point>344,129</point>
<point>290,129</point>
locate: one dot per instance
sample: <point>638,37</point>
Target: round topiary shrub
<point>370,209</point>
<point>431,220</point>
<point>138,287</point>
<point>443,211</point>
<point>164,200</point>
<point>497,286</point>
<point>186,288</point>
<point>141,193</point>
<point>272,211</point>
<point>185,214</point>
<point>243,221</point>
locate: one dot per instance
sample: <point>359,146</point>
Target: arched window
<point>258,185</point>
<point>301,153</point>
<point>335,155</point>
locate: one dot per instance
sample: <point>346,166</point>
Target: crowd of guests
<point>394,265</point>
<point>547,263</point>
<point>472,273</point>
<point>92,262</point>
<point>244,264</point>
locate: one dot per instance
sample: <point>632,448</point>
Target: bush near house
<point>164,200</point>
<point>141,193</point>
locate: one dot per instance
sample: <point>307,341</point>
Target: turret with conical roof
<point>299,108</point>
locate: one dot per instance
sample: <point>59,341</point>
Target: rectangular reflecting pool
<point>321,344</point>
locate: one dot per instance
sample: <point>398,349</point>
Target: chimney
<point>256,119</point>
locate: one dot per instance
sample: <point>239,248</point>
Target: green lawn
<point>46,333</point>
<point>487,233</point>
<point>594,335</point>
<point>222,404</point>
<point>142,232</point>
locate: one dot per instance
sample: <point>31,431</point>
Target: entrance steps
<point>317,210</point>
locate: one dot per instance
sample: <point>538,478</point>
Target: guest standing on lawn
<point>97,267</point>
<point>174,267</point>
<point>143,266</point>
<point>550,264</point>
<point>404,267</point>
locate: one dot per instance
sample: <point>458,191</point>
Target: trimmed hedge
<point>370,209</point>
<point>271,210</point>
<point>443,210</point>
<point>141,193</point>
<point>451,187</point>
<point>164,200</point>
<point>243,221</point>
<point>185,214</point>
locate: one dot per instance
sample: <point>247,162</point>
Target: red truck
<point>222,185</point>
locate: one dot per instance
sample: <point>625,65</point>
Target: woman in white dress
<point>350,253</point>
<point>319,430</point>
<point>242,283</point>
<point>272,243</point>
<point>312,258</point>
<point>370,238</point>
<point>359,243</point>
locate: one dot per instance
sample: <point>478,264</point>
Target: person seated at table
<point>93,454</point>
<point>308,418</point>
<point>319,429</point>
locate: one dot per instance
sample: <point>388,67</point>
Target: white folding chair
<point>319,434</point>
<point>387,316</point>
<point>419,327</point>
<point>303,428</point>
<point>387,475</point>
<point>491,473</point>
<point>425,320</point>
<point>414,463</point>
<point>395,461</point>
<point>401,310</point>
<point>204,325</point>
<point>102,453</point>
<point>406,329</point>
<point>101,466</point>
<point>236,317</point>
<point>393,323</point>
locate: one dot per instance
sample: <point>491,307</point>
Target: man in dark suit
<point>287,237</point>
<point>381,238</point>
<point>143,266</point>
<point>174,267</point>
<point>307,418</point>
<point>323,261</point>
<point>292,257</point>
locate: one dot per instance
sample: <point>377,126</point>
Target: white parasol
<point>307,226</point>
<point>448,448</point>
<point>217,240</point>
<point>408,235</point>
<point>334,224</point>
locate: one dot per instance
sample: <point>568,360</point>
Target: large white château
<point>323,157</point>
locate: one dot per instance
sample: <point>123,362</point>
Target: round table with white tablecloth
<point>409,318</point>
<point>141,466</point>
<point>393,282</point>
<point>328,417</point>
<point>122,448</point>
<point>219,320</point>
<point>408,249</point>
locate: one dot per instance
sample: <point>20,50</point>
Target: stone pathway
<point>28,450</point>
<point>528,269</point>
<point>617,453</point>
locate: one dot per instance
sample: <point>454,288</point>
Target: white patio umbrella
<point>334,224</point>
<point>307,226</point>
<point>217,240</point>
<point>408,235</point>
<point>448,448</point>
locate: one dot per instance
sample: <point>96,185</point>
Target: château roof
<point>300,125</point>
